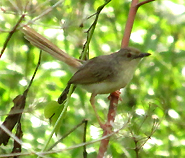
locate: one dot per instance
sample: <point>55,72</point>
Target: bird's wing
<point>95,70</point>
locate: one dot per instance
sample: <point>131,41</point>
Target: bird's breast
<point>106,87</point>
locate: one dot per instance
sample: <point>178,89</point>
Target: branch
<point>65,135</point>
<point>130,21</point>
<point>10,34</point>
<point>38,64</point>
<point>90,31</point>
<point>129,24</point>
<point>114,97</point>
<point>84,140</point>
<point>144,2</point>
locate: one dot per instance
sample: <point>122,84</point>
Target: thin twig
<point>45,12</point>
<point>91,16</point>
<point>71,147</point>
<point>144,2</point>
<point>10,34</point>
<point>91,29</point>
<point>65,135</point>
<point>84,140</point>
<point>18,141</point>
<point>38,64</point>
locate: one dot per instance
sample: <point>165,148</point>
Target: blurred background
<point>153,102</point>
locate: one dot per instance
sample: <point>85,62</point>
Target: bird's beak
<point>141,55</point>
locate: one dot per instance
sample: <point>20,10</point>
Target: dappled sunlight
<point>172,113</point>
<point>94,132</point>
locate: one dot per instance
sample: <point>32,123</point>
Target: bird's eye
<point>129,55</point>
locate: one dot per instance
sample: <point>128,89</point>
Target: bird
<point>100,75</point>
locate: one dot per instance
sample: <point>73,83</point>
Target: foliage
<point>152,104</point>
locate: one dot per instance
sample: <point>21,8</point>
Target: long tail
<point>41,42</point>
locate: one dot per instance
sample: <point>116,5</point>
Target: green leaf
<point>52,111</point>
